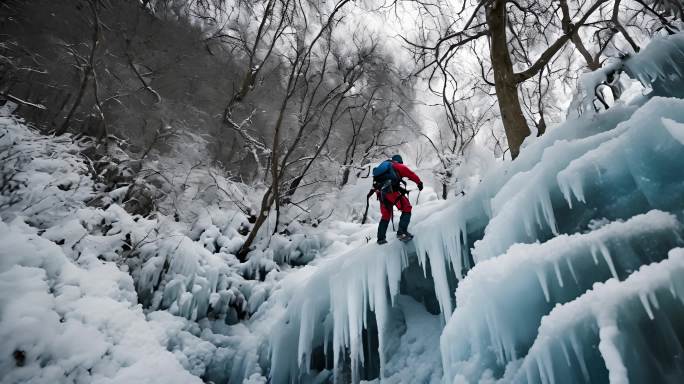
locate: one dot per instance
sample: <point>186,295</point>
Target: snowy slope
<point>63,322</point>
<point>66,320</point>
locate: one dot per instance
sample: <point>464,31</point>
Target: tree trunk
<point>266,204</point>
<point>345,175</point>
<point>81,91</point>
<point>88,71</point>
<point>505,83</point>
<point>272,193</point>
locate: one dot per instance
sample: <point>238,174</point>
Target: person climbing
<point>387,180</point>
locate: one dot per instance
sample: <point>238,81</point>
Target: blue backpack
<point>385,178</point>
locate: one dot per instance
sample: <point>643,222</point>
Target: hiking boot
<point>404,236</point>
<point>382,241</point>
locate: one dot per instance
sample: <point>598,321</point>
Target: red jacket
<point>404,171</point>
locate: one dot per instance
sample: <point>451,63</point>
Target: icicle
<point>579,355</point>
<point>340,325</point>
<point>646,305</point>
<point>653,299</point>
<point>548,368</point>
<point>558,273</point>
<point>364,295</point>
<point>547,209</point>
<point>381,314</point>
<point>565,190</point>
<point>456,251</point>
<point>565,352</point>
<point>594,251</point>
<point>606,256</point>
<point>394,267</point>
<point>422,249</point>
<point>571,183</point>
<point>442,291</point>
<point>537,216</point>
<point>542,281</point>
<point>541,370</point>
<point>305,335</point>
<point>355,321</point>
<point>572,270</point>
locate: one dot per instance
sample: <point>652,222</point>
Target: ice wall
<point>502,300</point>
<point>536,204</point>
<point>659,66</point>
<point>330,309</point>
<point>451,233</point>
<point>619,332</point>
<point>615,174</point>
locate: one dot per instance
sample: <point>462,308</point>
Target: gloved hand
<point>420,186</point>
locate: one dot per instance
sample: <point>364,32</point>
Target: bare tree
<point>375,119</point>
<point>455,131</point>
<point>86,66</point>
<point>513,30</point>
<point>258,48</point>
<point>299,62</point>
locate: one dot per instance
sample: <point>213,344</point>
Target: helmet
<point>398,159</point>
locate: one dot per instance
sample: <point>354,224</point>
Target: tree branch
<point>551,51</point>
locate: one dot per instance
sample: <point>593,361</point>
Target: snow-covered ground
<point>66,313</point>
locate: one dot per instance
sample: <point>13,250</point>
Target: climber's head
<point>398,159</point>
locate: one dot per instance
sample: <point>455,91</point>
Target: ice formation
<point>502,300</point>
<point>619,331</point>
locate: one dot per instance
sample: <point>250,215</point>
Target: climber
<point>387,179</point>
